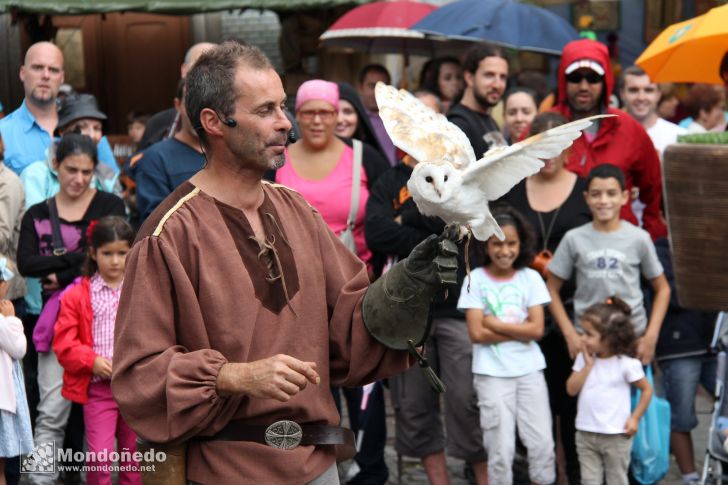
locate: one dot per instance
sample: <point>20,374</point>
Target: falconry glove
<point>396,307</point>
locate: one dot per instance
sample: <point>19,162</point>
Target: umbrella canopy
<point>689,51</point>
<point>505,22</point>
<point>381,27</point>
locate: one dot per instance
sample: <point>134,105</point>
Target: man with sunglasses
<point>585,84</point>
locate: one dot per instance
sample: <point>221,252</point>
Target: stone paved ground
<point>413,473</point>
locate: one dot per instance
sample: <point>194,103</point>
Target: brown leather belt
<point>284,434</point>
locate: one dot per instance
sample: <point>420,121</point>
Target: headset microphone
<point>229,122</point>
<point>292,138</point>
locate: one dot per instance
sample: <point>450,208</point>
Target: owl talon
<point>453,232</point>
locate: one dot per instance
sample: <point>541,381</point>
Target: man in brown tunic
<point>239,303</point>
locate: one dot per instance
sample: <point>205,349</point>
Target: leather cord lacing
<point>267,251</point>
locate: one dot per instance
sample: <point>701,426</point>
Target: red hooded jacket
<point>73,341</point>
<point>621,141</point>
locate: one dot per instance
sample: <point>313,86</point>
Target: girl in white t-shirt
<point>602,375</point>
<point>503,306</point>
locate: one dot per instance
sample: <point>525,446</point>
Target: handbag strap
<point>355,184</point>
<point>59,249</point>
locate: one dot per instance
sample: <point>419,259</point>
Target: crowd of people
<point>537,346</point>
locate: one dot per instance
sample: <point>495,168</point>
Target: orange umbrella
<point>689,51</point>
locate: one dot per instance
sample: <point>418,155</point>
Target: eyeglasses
<point>310,114</point>
<point>591,77</point>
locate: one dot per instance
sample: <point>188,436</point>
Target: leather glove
<point>433,262</point>
<point>396,307</point>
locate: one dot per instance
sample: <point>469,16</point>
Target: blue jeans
<point>681,377</point>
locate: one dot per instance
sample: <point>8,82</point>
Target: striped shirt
<point>104,302</point>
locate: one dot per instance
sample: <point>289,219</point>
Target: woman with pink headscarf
<point>320,166</point>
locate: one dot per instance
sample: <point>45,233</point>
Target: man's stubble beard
<point>483,101</point>
<point>278,162</point>
<point>42,102</point>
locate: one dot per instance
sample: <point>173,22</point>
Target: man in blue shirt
<point>27,131</point>
<point>165,165</point>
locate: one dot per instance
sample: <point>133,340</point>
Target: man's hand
<point>646,349</point>
<point>6,308</point>
<point>102,367</point>
<point>279,377</point>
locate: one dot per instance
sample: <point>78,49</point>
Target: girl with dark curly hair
<point>602,376</point>
<point>503,306</point>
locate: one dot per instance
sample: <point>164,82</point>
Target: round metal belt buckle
<point>284,434</point>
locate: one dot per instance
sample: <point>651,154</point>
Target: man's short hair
<point>374,68</point>
<point>479,52</point>
<point>631,71</point>
<point>724,68</point>
<point>606,171</point>
<point>211,81</point>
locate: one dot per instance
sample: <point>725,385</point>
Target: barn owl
<point>448,182</point>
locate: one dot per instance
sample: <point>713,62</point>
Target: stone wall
<point>256,27</point>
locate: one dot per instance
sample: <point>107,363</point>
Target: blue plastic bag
<point>651,445</point>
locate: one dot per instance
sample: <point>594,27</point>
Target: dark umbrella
<point>505,22</point>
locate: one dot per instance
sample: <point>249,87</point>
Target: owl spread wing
<point>502,168</point>
<point>423,134</point>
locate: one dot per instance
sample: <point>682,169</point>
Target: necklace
<point>546,235</point>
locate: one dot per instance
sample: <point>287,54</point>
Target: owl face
<point>436,182</point>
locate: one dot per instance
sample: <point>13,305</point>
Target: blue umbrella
<point>505,22</point>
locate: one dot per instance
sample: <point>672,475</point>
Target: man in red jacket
<point>585,85</point>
